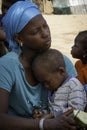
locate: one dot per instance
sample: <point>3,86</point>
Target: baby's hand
<point>37,113</point>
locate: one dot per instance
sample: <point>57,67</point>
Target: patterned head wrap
<point>16,18</point>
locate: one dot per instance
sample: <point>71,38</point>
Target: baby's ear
<point>61,70</point>
<point>85,54</point>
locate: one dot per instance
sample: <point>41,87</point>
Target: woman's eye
<point>34,32</point>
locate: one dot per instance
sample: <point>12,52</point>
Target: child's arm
<point>37,113</point>
<point>40,114</point>
<point>77,96</point>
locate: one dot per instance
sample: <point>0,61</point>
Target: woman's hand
<point>62,122</point>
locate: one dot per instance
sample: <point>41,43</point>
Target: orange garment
<point>82,71</point>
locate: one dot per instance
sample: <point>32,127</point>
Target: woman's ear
<point>17,39</point>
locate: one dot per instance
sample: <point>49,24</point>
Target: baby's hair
<point>9,2</point>
<point>12,1</point>
<point>51,60</point>
<point>82,38</point>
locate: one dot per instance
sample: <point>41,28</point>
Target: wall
<point>70,6</point>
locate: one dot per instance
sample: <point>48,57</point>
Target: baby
<point>65,92</point>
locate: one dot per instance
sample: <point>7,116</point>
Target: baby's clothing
<point>70,94</point>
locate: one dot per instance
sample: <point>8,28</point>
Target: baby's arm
<point>77,96</point>
<point>38,113</point>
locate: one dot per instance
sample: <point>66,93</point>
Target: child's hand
<point>37,113</point>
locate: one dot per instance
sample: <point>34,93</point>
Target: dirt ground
<point>64,28</point>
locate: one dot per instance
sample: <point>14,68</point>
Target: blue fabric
<point>16,18</point>
<point>70,67</point>
<point>23,97</point>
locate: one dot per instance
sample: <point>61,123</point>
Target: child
<point>4,48</point>
<point>6,5</point>
<point>79,51</point>
<point>3,43</point>
<point>65,92</point>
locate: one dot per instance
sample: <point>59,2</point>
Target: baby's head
<point>49,69</point>
<point>6,4</point>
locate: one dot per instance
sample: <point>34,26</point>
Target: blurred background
<point>61,6</point>
<point>66,18</point>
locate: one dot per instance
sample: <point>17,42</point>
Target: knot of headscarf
<point>16,18</point>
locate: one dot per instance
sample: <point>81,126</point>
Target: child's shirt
<point>70,94</point>
<point>82,71</point>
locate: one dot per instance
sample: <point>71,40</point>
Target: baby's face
<point>50,80</point>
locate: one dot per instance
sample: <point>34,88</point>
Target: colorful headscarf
<point>16,18</point>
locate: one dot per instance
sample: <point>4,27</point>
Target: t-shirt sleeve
<point>6,77</point>
<point>69,66</point>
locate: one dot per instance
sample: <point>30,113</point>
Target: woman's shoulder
<point>69,66</point>
<point>9,58</point>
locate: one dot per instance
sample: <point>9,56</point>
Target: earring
<point>21,44</point>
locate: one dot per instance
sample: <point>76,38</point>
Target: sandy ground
<point>64,28</point>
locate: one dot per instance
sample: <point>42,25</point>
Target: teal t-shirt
<point>70,69</point>
<point>23,97</point>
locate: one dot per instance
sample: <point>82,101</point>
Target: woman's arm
<point>10,122</point>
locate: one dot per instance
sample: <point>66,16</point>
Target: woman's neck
<point>26,60</point>
<point>28,56</point>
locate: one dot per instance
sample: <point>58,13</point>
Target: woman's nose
<point>45,32</point>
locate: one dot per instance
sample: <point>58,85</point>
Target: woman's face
<point>36,34</point>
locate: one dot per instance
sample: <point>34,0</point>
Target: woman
<point>20,93</point>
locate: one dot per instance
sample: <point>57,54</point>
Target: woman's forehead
<point>37,20</point>
<point>34,23</point>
